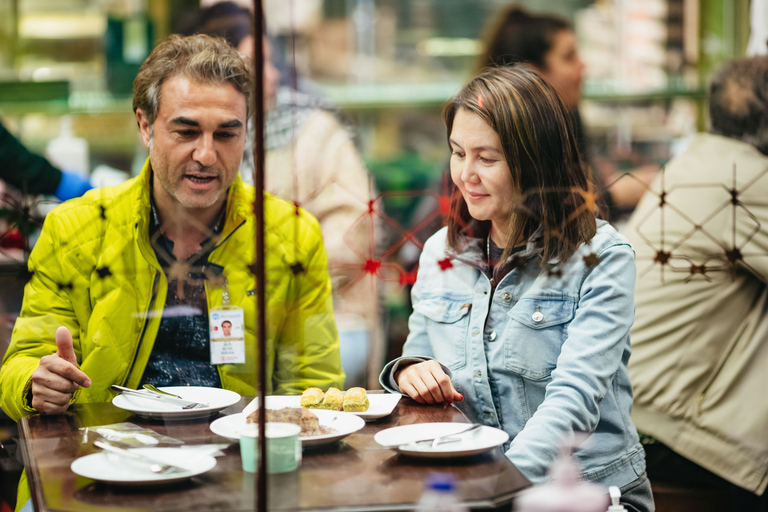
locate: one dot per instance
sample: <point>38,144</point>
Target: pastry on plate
<point>333,400</point>
<point>355,400</point>
<point>312,398</point>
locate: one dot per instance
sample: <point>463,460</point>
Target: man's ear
<point>141,118</point>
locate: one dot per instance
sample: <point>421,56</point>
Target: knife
<point>158,466</point>
<point>184,404</point>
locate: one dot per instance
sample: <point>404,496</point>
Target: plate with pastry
<point>354,400</point>
<point>317,427</point>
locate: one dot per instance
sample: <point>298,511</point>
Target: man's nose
<point>205,152</point>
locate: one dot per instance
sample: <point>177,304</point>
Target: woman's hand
<point>427,383</point>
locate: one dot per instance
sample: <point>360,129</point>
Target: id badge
<point>227,328</point>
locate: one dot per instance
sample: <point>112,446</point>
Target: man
<point>700,338</point>
<point>131,273</point>
<point>226,328</point>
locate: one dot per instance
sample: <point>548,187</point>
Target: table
<point>353,474</point>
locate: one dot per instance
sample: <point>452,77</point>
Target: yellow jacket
<point>95,272</point>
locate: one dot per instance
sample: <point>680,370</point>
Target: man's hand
<point>427,383</point>
<point>57,377</point>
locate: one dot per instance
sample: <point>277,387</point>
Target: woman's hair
<point>539,147</point>
<point>203,59</point>
<point>229,20</point>
<point>515,36</point>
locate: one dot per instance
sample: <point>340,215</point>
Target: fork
<point>156,466</point>
<point>444,438</point>
<point>185,404</point>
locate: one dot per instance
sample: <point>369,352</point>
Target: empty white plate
<point>474,442</point>
<point>343,423</point>
<point>121,470</point>
<point>216,398</point>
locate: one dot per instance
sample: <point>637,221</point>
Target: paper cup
<point>283,447</point>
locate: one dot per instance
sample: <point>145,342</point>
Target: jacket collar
<point>472,250</point>
<point>239,201</point>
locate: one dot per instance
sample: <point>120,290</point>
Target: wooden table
<point>353,474</point>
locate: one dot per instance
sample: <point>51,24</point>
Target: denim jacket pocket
<point>535,335</point>
<point>447,325</point>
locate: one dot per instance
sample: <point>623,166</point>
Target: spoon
<point>157,390</point>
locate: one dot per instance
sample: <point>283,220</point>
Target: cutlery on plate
<point>445,438</point>
<point>185,404</point>
<point>156,466</point>
<point>150,387</point>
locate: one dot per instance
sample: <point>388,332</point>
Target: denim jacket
<point>544,357</point>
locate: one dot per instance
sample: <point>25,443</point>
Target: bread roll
<point>312,398</point>
<point>355,400</point>
<point>333,400</point>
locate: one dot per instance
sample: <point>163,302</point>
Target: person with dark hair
<point>548,44</point>
<point>311,160</point>
<point>523,303</point>
<point>699,339</point>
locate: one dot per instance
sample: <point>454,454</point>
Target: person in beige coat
<point>311,160</point>
<point>700,338</point>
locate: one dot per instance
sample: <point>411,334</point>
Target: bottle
<point>68,152</point>
<point>565,492</point>
<point>615,494</point>
<point>440,495</point>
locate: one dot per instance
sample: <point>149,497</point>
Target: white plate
<point>116,469</point>
<point>477,441</point>
<point>343,423</point>
<point>216,398</point>
<point>381,404</point>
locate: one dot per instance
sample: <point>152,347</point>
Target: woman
<point>523,303</point>
<point>548,45</point>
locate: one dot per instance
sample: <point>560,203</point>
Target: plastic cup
<point>283,447</point>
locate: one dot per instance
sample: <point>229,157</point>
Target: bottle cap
<point>441,482</point>
<point>615,494</point>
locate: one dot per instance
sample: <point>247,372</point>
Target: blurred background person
<point>311,160</point>
<point>699,338</point>
<point>548,44</point>
<point>32,174</point>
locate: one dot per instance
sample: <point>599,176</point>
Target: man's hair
<point>738,101</point>
<point>203,59</point>
<point>540,149</point>
<point>226,322</point>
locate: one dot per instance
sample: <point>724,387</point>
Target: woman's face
<point>480,171</point>
<point>563,67</point>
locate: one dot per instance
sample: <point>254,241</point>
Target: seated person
<point>123,279</point>
<point>523,303</point>
<point>699,339</point>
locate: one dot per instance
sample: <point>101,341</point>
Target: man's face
<point>196,143</point>
<point>227,328</point>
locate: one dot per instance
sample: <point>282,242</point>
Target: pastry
<point>355,400</point>
<point>310,425</point>
<point>333,400</point>
<point>312,398</point>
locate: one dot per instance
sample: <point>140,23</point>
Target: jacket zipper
<point>144,328</point>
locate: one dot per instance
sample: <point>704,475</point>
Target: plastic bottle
<point>440,495</point>
<point>68,152</point>
<point>565,492</point>
<point>615,494</point>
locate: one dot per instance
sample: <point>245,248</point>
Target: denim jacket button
<point>492,336</point>
<point>506,296</point>
<point>537,316</point>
